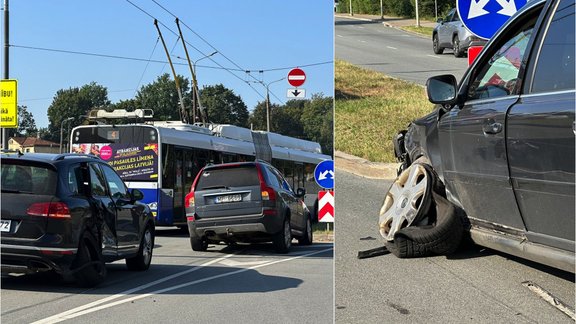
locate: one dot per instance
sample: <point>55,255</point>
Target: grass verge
<point>371,108</point>
<point>427,31</point>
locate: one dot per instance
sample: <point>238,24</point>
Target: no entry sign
<point>296,77</point>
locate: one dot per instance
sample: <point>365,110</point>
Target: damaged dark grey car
<point>497,155</point>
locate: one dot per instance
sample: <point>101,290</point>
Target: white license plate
<point>228,199</point>
<point>4,225</point>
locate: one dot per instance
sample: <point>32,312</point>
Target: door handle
<point>492,127</point>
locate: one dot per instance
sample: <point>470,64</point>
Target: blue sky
<point>256,35</point>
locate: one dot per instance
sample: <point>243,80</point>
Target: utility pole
<point>417,16</point>
<point>6,69</point>
<point>351,13</point>
<point>268,102</point>
<point>196,98</point>
<point>381,9</point>
<point>183,115</point>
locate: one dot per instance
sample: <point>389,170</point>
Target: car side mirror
<point>440,20</point>
<point>137,195</point>
<point>300,192</point>
<point>442,89</point>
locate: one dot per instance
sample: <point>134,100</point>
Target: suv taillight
<point>47,209</point>
<point>189,200</point>
<point>267,192</point>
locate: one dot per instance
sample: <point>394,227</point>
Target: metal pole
<point>6,65</point>
<point>183,115</point>
<point>351,13</point>
<point>417,16</point>
<point>267,108</point>
<point>381,9</point>
<point>62,128</point>
<point>436,9</point>
<point>197,91</point>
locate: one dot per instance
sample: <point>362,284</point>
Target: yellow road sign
<point>9,103</point>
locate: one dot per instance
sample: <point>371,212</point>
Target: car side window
<point>115,184</point>
<point>450,15</point>
<point>97,181</point>
<point>555,67</point>
<point>271,178</point>
<point>455,17</point>
<point>74,179</point>
<point>498,75</point>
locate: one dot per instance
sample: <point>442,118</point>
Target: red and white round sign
<point>296,77</point>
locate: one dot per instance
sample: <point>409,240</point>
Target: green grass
<point>419,30</point>
<point>371,108</point>
<point>322,228</point>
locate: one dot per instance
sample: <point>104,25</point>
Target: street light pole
<point>61,128</point>
<point>6,66</point>
<point>268,102</point>
<point>195,91</point>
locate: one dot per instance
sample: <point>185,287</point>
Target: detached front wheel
<point>415,219</point>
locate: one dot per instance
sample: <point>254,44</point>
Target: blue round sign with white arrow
<point>324,174</point>
<point>484,17</point>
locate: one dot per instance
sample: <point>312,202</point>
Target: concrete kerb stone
<point>392,22</point>
<point>364,168</point>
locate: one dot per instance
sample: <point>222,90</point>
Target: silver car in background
<point>451,33</point>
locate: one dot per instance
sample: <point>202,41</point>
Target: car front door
<point>105,208</point>
<point>444,34</point>
<point>541,134</point>
<point>127,216</point>
<point>473,132</point>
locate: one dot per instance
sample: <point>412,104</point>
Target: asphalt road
<point>393,52</point>
<point>474,285</point>
<point>240,284</point>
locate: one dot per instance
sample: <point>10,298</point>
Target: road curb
<point>364,168</point>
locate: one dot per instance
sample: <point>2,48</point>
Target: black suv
<point>247,202</point>
<point>499,147</point>
<point>71,214</point>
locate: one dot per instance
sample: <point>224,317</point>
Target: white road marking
<point>390,47</point>
<point>434,56</point>
<point>362,41</point>
<point>88,308</point>
<point>339,35</point>
<point>232,263</point>
<point>130,291</point>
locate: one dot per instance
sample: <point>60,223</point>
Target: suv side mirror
<point>441,89</point>
<point>137,195</point>
<point>300,192</point>
<point>440,20</point>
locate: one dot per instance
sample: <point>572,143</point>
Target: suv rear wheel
<point>306,238</point>
<point>89,269</point>
<point>199,243</point>
<point>283,239</point>
<point>456,47</point>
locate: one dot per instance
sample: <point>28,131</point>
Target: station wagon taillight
<point>49,209</point>
<point>267,192</point>
<point>189,200</point>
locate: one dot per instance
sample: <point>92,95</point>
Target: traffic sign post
<point>9,103</point>
<point>484,17</point>
<point>296,77</point>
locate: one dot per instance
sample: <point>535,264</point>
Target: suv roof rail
<point>62,156</point>
<point>11,151</point>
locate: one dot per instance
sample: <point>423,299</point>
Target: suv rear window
<point>30,179</point>
<point>242,176</point>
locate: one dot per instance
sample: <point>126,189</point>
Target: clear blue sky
<point>255,34</point>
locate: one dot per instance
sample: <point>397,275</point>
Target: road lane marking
<point>130,291</point>
<point>434,56</point>
<point>83,310</point>
<point>339,35</point>
<point>362,41</point>
<point>232,263</point>
<point>390,47</point>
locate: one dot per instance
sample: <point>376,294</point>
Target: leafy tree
<point>287,119</point>
<point>74,102</point>
<point>26,123</point>
<point>162,97</point>
<point>223,106</point>
<point>257,118</point>
<point>318,121</point>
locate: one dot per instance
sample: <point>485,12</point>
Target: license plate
<point>4,225</point>
<point>228,199</point>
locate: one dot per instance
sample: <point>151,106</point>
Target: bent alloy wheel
<point>407,201</point>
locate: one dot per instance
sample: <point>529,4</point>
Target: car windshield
<point>28,179</point>
<point>242,176</point>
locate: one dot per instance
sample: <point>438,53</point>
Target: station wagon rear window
<point>243,176</point>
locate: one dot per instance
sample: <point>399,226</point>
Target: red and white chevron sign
<point>326,206</point>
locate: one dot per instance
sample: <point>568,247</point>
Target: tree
<point>223,106</point>
<point>162,97</point>
<point>74,102</point>
<point>26,123</point>
<point>257,119</point>
<point>318,121</point>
